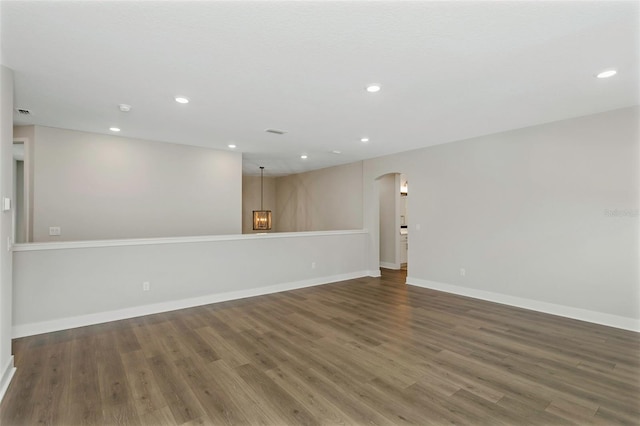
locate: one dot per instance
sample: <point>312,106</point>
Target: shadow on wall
<point>295,202</point>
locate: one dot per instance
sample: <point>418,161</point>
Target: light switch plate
<point>6,204</point>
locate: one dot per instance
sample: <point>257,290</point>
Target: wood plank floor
<point>364,351</point>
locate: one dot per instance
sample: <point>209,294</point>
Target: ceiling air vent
<point>23,111</point>
<point>275,131</point>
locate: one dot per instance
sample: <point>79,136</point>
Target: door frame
<point>26,208</point>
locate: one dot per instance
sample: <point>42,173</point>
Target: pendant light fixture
<point>261,218</point>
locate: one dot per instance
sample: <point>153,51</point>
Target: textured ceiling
<point>448,71</point>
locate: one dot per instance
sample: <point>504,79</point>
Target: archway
<point>391,220</point>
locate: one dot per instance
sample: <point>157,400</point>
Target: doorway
<point>393,221</point>
<point>20,219</point>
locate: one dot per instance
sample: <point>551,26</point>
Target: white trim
<point>389,265</point>
<point>174,240</point>
<point>31,329</point>
<point>602,318</point>
<point>7,374</point>
<point>374,273</point>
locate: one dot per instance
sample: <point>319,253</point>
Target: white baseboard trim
<point>374,273</point>
<point>23,330</point>
<point>7,374</point>
<point>389,265</point>
<point>610,320</point>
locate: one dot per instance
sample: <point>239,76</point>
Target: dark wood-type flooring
<point>364,351</point>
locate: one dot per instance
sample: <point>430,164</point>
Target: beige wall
<point>547,213</point>
<point>251,200</point>
<point>320,200</point>
<point>103,187</point>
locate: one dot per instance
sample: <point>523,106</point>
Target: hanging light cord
<point>261,185</point>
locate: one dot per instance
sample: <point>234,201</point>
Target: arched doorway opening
<point>393,221</point>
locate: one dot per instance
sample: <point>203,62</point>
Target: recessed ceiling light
<point>182,100</point>
<point>304,156</point>
<point>607,74</point>
<point>335,151</point>
<point>124,107</point>
<point>232,146</point>
<point>373,88</point>
<point>114,129</point>
<point>364,140</point>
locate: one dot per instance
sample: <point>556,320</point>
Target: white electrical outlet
<point>463,272</point>
<point>54,230</point>
<point>313,265</point>
<point>146,286</point>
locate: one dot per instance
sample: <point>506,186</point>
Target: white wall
<point>527,213</point>
<point>6,233</point>
<point>251,200</point>
<point>67,285</point>
<point>103,187</point>
<point>387,228</point>
<point>325,199</point>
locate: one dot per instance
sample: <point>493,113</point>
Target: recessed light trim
<point>373,88</point>
<point>364,140</point>
<point>304,156</point>
<point>335,151</point>
<point>182,100</point>
<point>124,107</point>
<point>232,146</point>
<point>114,129</point>
<point>606,73</point>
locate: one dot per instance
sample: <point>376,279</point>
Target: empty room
<point>319,212</point>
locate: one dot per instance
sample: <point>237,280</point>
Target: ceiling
<point>448,71</point>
